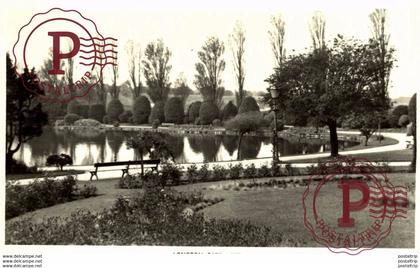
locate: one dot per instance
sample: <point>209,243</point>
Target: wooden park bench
<point>125,166</point>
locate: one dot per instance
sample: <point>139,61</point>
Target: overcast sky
<point>185,25</point>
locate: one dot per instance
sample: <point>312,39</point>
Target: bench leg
<point>124,171</point>
<point>92,174</point>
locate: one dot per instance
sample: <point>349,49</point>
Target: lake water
<point>88,148</point>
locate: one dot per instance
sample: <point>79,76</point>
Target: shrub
<point>208,112</point>
<point>220,173</point>
<point>87,191</point>
<point>156,123</point>
<point>59,160</point>
<point>264,171</point>
<point>194,112</point>
<point>69,119</point>
<point>197,121</point>
<point>115,108</point>
<point>80,109</point>
<point>59,123</point>
<point>249,104</point>
<point>125,116</point>
<point>246,122</point>
<point>250,171</point>
<point>84,111</point>
<point>229,111</point>
<point>396,113</point>
<point>130,182</point>
<point>235,171</point>
<point>403,121</point>
<point>73,107</point>
<point>204,173</point>
<point>38,194</point>
<point>216,123</point>
<point>158,112</point>
<point>107,120</point>
<point>170,172</point>
<point>87,123</point>
<point>116,123</point>
<point>141,110</point>
<point>192,173</point>
<point>174,111</point>
<point>97,112</point>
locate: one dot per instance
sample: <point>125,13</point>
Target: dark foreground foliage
<point>158,217</point>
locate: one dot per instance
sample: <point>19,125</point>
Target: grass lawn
<point>372,143</point>
<point>43,174</point>
<point>282,210</point>
<point>392,156</point>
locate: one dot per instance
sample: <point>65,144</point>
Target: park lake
<point>87,148</point>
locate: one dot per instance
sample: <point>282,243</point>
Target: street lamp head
<point>274,92</point>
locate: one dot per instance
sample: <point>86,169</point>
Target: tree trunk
<point>142,167</point>
<point>9,161</point>
<point>239,146</point>
<point>413,163</point>
<point>332,125</point>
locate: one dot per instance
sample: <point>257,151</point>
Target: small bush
<point>88,123</point>
<point>197,121</point>
<point>192,173</point>
<point>69,119</point>
<point>59,123</point>
<point>107,120</point>
<point>216,123</point>
<point>194,112</point>
<point>249,104</point>
<point>250,171</point>
<point>87,191</point>
<point>158,112</point>
<point>174,111</point>
<point>59,160</point>
<point>125,116</point>
<point>264,171</point>
<point>208,112</point>
<point>156,123</point>
<point>141,110</point>
<point>229,111</point>
<point>403,121</point>
<point>115,108</point>
<point>170,172</point>
<point>235,171</point>
<point>130,182</point>
<point>204,173</point>
<point>97,112</point>
<point>84,111</point>
<point>220,173</point>
<point>116,124</point>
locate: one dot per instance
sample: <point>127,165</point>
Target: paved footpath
<point>401,145</point>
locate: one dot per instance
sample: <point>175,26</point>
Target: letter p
<point>57,56</point>
<point>346,186</point>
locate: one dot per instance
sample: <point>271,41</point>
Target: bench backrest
<point>125,163</point>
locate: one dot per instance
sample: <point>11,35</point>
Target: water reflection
<point>87,147</point>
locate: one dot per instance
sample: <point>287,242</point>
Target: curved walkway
<point>401,145</point>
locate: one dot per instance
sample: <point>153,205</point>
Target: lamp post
<point>274,92</point>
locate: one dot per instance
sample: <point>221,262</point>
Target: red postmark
<point>73,49</point>
<point>350,205</point>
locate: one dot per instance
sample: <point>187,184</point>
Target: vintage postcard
<point>159,132</point>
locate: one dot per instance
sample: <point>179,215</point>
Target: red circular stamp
<point>70,48</point>
<point>350,205</point>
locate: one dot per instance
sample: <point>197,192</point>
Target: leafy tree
<point>181,89</point>
<point>141,110</point>
<point>24,115</point>
<point>237,39</point>
<point>208,112</point>
<point>366,123</point>
<point>153,144</point>
<point>229,111</point>
<point>209,70</point>
<point>156,70</point>
<point>59,160</point>
<point>412,109</point>
<point>194,111</point>
<point>174,111</point>
<point>157,113</point>
<point>331,83</point>
<point>245,123</point>
<point>134,68</point>
<point>249,104</point>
